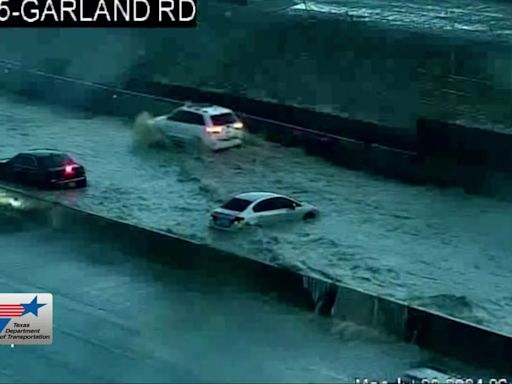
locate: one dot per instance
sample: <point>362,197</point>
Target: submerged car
<point>260,208</point>
<point>46,169</point>
<point>215,127</point>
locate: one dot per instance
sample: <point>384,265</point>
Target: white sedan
<point>260,208</point>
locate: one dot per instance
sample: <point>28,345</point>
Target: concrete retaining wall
<point>467,145</point>
<point>432,331</point>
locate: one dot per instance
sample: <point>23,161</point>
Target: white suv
<point>216,127</point>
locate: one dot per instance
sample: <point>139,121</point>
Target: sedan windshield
<point>237,205</point>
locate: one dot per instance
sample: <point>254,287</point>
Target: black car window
<point>177,116</point>
<point>195,118</point>
<point>261,206</point>
<point>24,161</point>
<point>55,160</point>
<point>275,203</point>
<point>187,117</point>
<point>283,203</point>
<point>266,205</point>
<point>237,205</point>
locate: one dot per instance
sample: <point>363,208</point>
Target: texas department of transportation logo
<point>26,318</point>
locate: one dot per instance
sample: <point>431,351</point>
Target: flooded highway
<point>119,318</point>
<point>418,244</point>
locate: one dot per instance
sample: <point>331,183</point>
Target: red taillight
<point>69,169</point>
<point>215,129</point>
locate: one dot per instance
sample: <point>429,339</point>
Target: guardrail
<point>435,332</point>
<point>359,145</point>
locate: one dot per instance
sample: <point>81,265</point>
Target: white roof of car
<point>253,196</point>
<point>208,109</point>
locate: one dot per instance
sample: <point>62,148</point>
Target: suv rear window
<point>223,119</point>
<point>237,205</point>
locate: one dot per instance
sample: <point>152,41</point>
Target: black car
<point>47,169</point>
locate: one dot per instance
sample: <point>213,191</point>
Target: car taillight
<point>215,129</point>
<point>69,169</point>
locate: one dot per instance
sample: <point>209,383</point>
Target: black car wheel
<point>309,215</point>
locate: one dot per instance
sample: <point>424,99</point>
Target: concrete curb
<point>433,331</point>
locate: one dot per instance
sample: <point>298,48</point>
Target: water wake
<point>146,135</point>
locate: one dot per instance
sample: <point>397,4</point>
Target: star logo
<point>9,311</point>
<point>32,307</point>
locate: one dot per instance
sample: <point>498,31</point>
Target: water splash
<point>145,134</point>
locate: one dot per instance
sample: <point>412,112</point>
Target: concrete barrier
<point>432,331</point>
<point>447,172</point>
<point>349,154</point>
<point>394,163</point>
<point>320,146</point>
<point>469,146</point>
<point>448,336</point>
<point>372,311</point>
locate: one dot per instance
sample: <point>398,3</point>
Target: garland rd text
<point>97,11</point>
